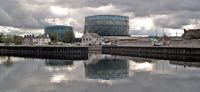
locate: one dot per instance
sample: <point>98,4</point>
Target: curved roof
<point>117,17</point>
<point>58,26</point>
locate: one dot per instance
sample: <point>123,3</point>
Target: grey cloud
<point>21,14</point>
<point>32,13</point>
<point>178,20</point>
<point>150,32</point>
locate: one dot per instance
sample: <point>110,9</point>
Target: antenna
<point>164,34</point>
<point>163,31</point>
<point>156,32</point>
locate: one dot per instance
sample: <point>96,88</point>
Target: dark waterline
<point>100,73</point>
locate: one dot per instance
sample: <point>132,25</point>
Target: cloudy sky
<point>31,16</point>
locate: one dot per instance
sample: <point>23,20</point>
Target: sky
<point>31,16</point>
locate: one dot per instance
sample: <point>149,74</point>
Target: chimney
<point>185,30</point>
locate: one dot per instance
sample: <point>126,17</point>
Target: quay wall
<point>168,53</point>
<point>46,51</point>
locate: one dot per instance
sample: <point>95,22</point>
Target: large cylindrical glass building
<point>107,25</point>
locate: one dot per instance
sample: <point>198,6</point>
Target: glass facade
<point>107,25</point>
<point>58,31</point>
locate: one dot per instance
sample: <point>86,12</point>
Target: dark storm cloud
<point>22,14</point>
<point>139,7</point>
<point>32,13</point>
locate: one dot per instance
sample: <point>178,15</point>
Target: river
<point>98,73</point>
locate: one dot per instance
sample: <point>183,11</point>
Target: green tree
<point>18,40</point>
<point>68,37</point>
<point>8,39</point>
<point>2,37</point>
<point>55,37</point>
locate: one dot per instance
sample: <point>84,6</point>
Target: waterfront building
<point>191,34</point>
<point>127,40</point>
<point>57,33</point>
<point>36,40</point>
<point>91,39</point>
<point>107,25</point>
<point>190,38</point>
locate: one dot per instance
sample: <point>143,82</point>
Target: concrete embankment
<point>95,49</point>
<point>56,52</point>
<point>169,53</point>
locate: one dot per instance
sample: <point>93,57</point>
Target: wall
<point>45,51</point>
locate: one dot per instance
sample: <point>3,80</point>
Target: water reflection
<point>60,69</point>
<point>6,61</point>
<point>107,72</point>
<point>106,68</point>
<point>144,66</point>
<point>59,62</point>
<point>58,78</point>
<point>186,64</point>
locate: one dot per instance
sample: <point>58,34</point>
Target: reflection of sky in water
<point>145,66</point>
<point>101,74</point>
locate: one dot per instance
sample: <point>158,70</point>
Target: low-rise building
<point>91,39</point>
<point>191,34</point>
<point>36,40</point>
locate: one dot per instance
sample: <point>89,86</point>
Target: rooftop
<point>96,17</point>
<point>94,35</point>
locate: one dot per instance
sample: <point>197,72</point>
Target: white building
<point>36,40</point>
<point>92,39</point>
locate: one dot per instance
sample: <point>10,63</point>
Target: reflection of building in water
<point>186,64</point>
<point>94,58</point>
<point>107,68</point>
<point>7,61</point>
<point>140,60</point>
<point>59,62</point>
<point>60,70</point>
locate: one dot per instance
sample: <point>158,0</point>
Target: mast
<point>156,32</point>
<point>164,34</point>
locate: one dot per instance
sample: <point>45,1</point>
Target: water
<point>100,73</point>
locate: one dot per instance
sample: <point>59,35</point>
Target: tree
<point>18,40</point>
<point>2,37</point>
<point>68,37</point>
<point>8,39</point>
<point>55,37</point>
